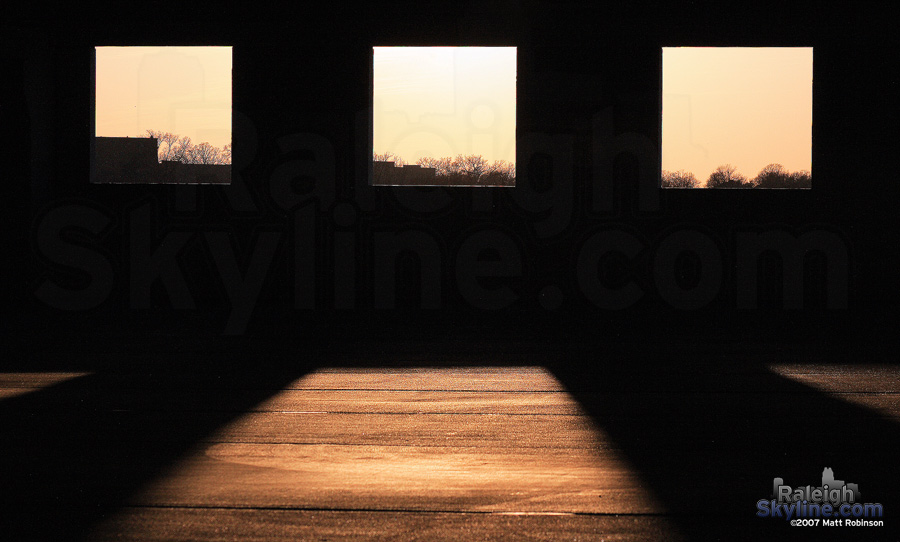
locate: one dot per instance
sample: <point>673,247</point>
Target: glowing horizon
<point>743,106</point>
<point>182,90</point>
<point>440,102</point>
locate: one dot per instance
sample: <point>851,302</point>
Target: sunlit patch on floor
<point>509,441</point>
<point>876,387</point>
<point>18,384</point>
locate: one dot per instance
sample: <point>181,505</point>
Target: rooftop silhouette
<point>134,160</point>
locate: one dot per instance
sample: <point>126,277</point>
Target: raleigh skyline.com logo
<point>835,501</point>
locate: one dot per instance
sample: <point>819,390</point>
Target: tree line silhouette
<point>462,170</point>
<point>727,176</point>
<point>174,148</point>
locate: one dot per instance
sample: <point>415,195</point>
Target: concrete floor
<point>473,453</point>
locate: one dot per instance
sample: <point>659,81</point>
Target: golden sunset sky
<point>183,90</point>
<point>444,101</point>
<point>744,106</point>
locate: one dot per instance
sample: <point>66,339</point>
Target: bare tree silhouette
<point>466,170</point>
<point>801,179</point>
<point>389,157</point>
<point>727,176</point>
<point>174,148</point>
<point>472,166</point>
<point>165,142</point>
<point>441,166</point>
<point>205,153</point>
<point>777,176</point>
<point>679,179</point>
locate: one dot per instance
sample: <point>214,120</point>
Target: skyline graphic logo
<point>833,504</point>
<point>833,491</point>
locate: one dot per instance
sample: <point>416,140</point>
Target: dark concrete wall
<point>586,244</point>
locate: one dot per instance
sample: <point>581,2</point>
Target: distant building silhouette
<point>124,159</point>
<point>386,173</point>
<point>134,160</point>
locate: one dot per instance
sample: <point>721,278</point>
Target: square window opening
<point>737,117</point>
<point>162,115</point>
<point>443,116</point>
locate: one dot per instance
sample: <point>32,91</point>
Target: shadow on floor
<point>708,438</point>
<point>74,452</point>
